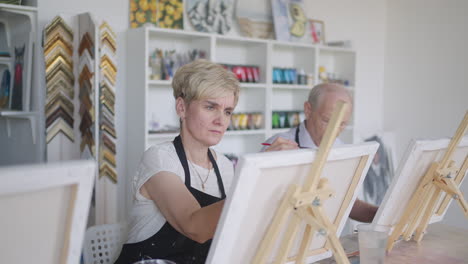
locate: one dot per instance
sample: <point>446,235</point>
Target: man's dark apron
<point>297,136</point>
<point>168,243</point>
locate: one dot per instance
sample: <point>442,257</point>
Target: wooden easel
<point>304,204</point>
<point>438,178</point>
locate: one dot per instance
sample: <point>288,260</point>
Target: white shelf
<point>160,82</point>
<point>16,114</point>
<point>167,32</point>
<point>293,44</point>
<point>245,132</point>
<point>244,40</point>
<point>254,85</point>
<point>335,49</point>
<point>18,7</point>
<point>30,116</point>
<point>292,86</point>
<point>5,60</point>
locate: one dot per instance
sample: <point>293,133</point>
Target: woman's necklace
<point>201,180</point>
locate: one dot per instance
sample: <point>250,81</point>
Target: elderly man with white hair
<point>318,110</point>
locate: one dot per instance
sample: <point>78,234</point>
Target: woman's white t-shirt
<point>145,219</point>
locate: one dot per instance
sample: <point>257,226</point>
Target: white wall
<point>363,22</point>
<point>426,83</point>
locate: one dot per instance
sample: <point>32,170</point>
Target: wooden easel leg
<point>288,239</point>
<point>411,207</point>
<point>459,196</point>
<point>416,218</point>
<point>463,204</point>
<point>457,181</point>
<point>281,215</point>
<point>308,234</point>
<point>337,248</point>
<point>427,216</point>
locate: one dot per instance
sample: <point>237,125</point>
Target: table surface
<point>441,244</point>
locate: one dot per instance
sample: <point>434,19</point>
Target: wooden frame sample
<point>261,182</point>
<point>317,31</point>
<point>44,211</point>
<point>415,163</point>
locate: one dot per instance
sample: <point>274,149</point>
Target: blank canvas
<point>44,212</point>
<point>416,161</point>
<point>260,184</point>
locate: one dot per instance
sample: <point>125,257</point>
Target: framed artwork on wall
<point>317,31</point>
<point>160,13</point>
<point>143,12</point>
<point>290,20</point>
<point>210,16</point>
<point>255,21</point>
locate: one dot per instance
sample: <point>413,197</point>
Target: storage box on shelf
<point>151,103</point>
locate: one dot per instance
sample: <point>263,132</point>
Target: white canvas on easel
<point>416,161</point>
<point>44,212</point>
<point>261,182</point>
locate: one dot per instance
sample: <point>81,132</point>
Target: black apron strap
<point>183,158</point>
<point>297,136</point>
<point>218,175</point>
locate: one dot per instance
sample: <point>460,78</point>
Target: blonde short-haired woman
<point>180,186</point>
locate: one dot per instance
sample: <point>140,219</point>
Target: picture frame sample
<point>255,21</point>
<point>416,161</point>
<point>210,16</point>
<point>317,31</point>
<point>44,211</point>
<point>143,12</point>
<point>160,13</point>
<point>290,21</point>
<point>260,184</point>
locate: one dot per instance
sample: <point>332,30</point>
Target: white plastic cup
<point>372,243</point>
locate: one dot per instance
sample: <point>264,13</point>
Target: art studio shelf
<point>151,101</point>
<point>18,7</point>
<point>30,116</point>
<point>5,60</point>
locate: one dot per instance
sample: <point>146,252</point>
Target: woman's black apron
<point>168,243</point>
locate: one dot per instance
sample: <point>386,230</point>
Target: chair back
<point>103,243</point>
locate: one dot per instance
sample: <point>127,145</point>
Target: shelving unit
<point>19,24</point>
<point>148,99</point>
